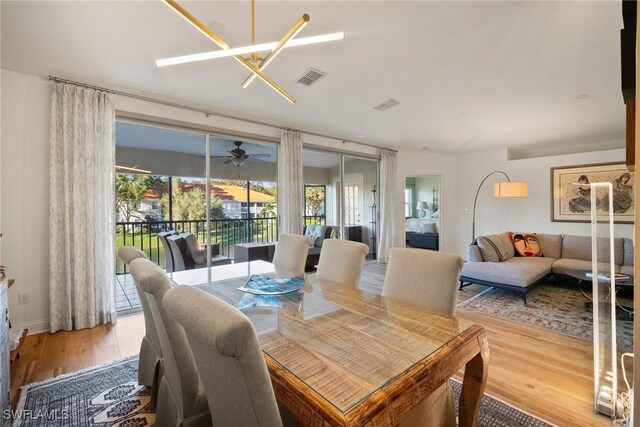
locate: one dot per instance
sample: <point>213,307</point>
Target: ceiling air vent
<point>311,76</point>
<point>386,105</point>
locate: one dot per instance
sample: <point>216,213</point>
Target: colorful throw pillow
<point>526,244</point>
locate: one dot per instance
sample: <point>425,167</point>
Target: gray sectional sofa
<point>492,260</point>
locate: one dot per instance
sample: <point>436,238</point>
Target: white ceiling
<point>468,75</point>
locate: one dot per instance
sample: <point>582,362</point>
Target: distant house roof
<point>233,192</point>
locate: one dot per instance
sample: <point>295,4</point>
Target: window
<point>408,202</point>
<point>351,205</point>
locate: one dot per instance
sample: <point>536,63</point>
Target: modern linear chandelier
<point>252,61</point>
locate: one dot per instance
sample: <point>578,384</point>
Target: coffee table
<point>623,312</point>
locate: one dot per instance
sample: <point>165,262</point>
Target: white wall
<point>24,169</point>
<point>425,190</point>
<point>530,214</point>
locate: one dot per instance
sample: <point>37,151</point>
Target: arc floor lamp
<point>502,190</point>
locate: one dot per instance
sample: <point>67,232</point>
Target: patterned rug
<point>558,308</point>
<point>109,395</point>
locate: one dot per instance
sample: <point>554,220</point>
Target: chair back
<point>341,261</point>
<point>179,251</point>
<point>168,255</point>
<point>180,392</point>
<point>290,256</point>
<point>233,371</point>
<point>423,277</point>
<point>150,350</point>
<point>197,255</point>
<point>129,253</point>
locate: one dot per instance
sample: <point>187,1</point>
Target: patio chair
<point>168,255</point>
<point>181,256</point>
<point>199,256</point>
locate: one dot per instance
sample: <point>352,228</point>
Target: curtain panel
<point>290,197</point>
<point>82,213</point>
<point>391,204</point>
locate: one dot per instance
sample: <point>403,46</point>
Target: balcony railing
<point>225,232</point>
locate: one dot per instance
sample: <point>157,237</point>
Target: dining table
<point>343,356</point>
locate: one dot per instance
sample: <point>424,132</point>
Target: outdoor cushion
<point>550,244</point>
<point>628,252</point>
<point>194,247</point>
<point>496,247</point>
<point>626,269</point>
<point>517,271</point>
<point>579,247</point>
<point>562,265</point>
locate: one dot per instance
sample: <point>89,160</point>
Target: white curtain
<point>290,198</point>
<point>391,207</point>
<point>82,213</point>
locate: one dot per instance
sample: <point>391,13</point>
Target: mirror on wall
<point>422,211</point>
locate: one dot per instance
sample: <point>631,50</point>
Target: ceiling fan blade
<point>228,161</point>
<point>220,157</point>
<point>253,159</point>
<point>264,156</point>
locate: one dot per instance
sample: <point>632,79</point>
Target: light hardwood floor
<point>541,372</point>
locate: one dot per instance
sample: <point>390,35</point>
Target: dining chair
<point>168,256</point>
<point>226,350</point>
<point>150,351</point>
<point>341,261</point>
<point>181,398</point>
<point>290,256</point>
<point>428,279</point>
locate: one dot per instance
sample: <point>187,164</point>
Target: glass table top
<point>343,343</point>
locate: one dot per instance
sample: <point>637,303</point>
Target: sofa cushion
<point>517,271</point>
<point>628,252</point>
<point>526,244</point>
<point>496,247</point>
<point>550,244</point>
<point>314,251</point>
<point>562,265</point>
<point>579,247</point>
<point>474,254</point>
<point>317,231</point>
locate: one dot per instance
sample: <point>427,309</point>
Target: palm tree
<point>268,210</point>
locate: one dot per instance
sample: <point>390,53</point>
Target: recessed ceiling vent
<point>386,105</point>
<point>311,76</point>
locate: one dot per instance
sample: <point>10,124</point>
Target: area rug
<point>496,413</point>
<point>558,308</point>
<point>109,395</point>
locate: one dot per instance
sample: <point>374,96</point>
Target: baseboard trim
<point>36,327</point>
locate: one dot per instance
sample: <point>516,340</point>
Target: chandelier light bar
<point>293,31</point>
<point>217,40</point>
<point>263,47</point>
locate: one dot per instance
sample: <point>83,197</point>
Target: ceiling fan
<point>239,156</point>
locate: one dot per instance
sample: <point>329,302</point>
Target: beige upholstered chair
<point>291,255</point>
<point>226,350</point>
<point>181,398</point>
<point>150,351</point>
<point>341,261</point>
<point>428,279</point>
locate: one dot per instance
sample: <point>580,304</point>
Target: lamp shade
<point>511,190</point>
<point>422,205</point>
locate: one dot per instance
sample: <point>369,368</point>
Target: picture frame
<point>571,202</point>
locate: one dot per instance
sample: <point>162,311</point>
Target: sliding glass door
<point>219,189</point>
<point>340,192</point>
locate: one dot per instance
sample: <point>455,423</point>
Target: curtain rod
<point>207,112</point>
